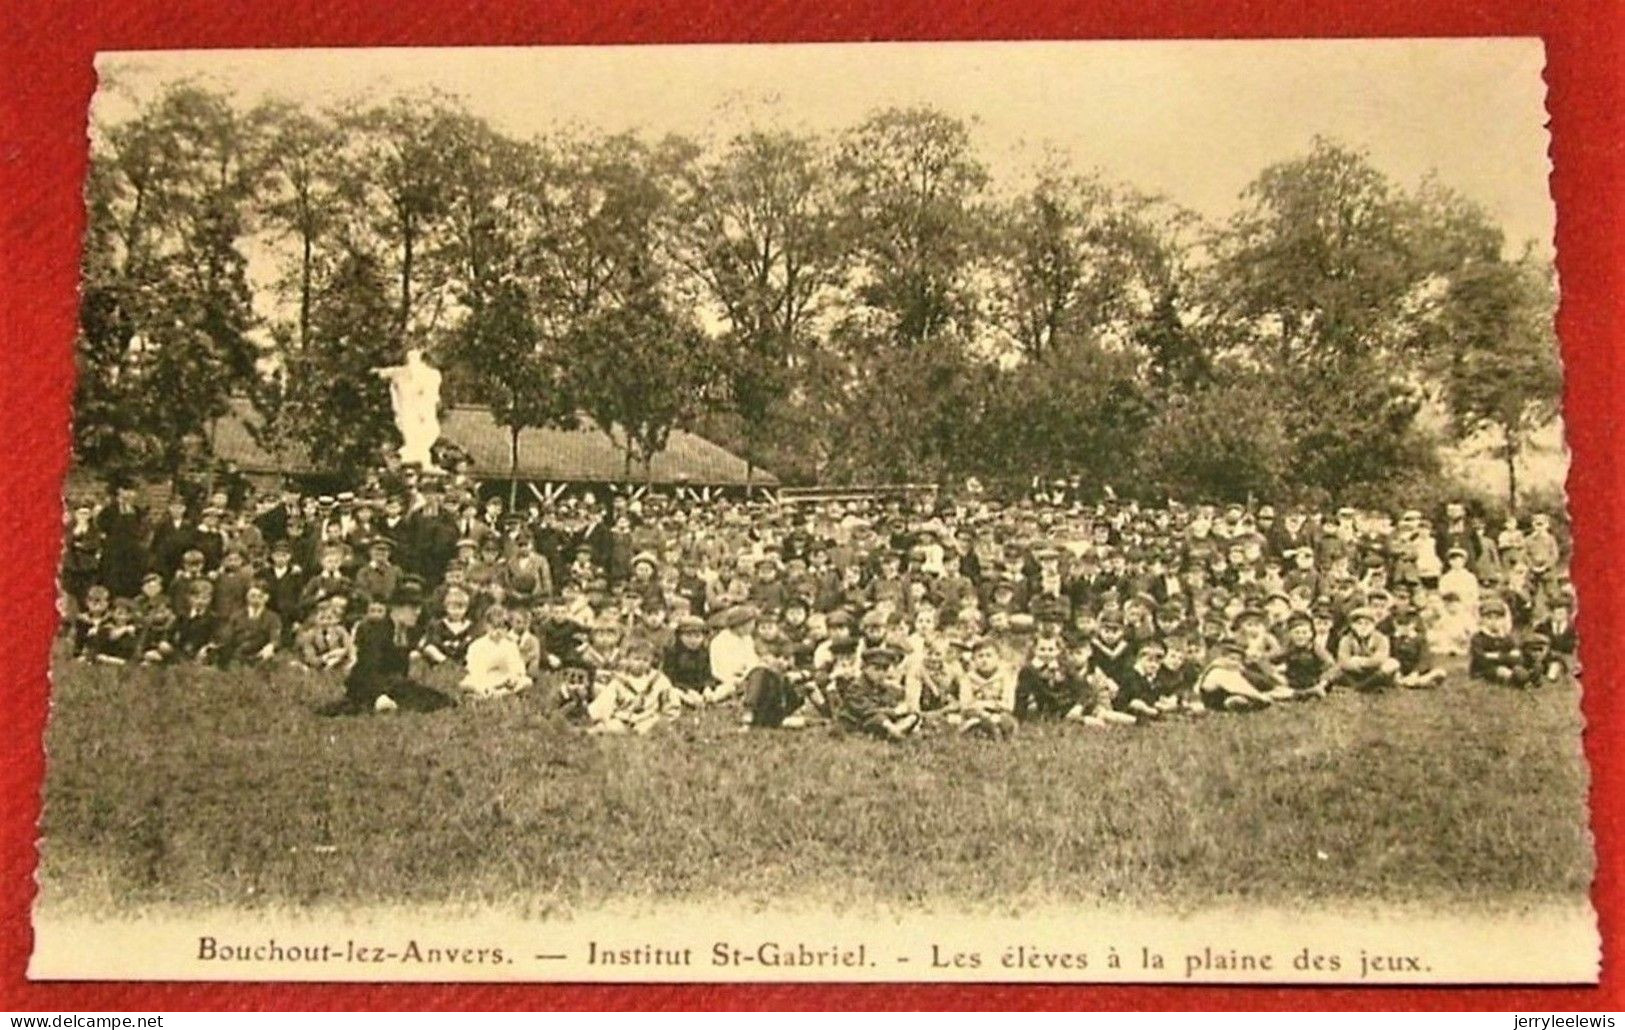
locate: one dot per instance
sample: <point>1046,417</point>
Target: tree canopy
<point>863,306</point>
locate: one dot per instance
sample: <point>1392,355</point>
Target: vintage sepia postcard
<point>1047,511</point>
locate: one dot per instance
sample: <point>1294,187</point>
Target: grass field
<point>190,788</point>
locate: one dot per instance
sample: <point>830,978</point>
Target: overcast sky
<point>1192,120</point>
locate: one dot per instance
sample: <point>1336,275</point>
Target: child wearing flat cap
<point>1224,685</point>
<point>1304,664</point>
<point>687,662</point>
<point>1494,656</point>
<point>1364,658</point>
<point>873,703</point>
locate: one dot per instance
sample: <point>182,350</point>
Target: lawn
<point>192,788</point>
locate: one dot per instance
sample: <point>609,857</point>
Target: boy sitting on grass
<point>773,692</point>
<point>157,629</point>
<point>1137,685</point>
<point>447,638</point>
<point>1409,643</point>
<point>1111,653</point>
<point>1251,627</point>
<point>1092,690</point>
<point>634,698</point>
<point>195,624</point>
<point>687,663</point>
<point>1537,658</point>
<point>250,637</point>
<point>1364,660</point>
<point>1045,689</point>
<point>1303,663</point>
<point>1176,676</point>
<point>1558,627</point>
<point>987,694</point>
<point>496,667</point>
<point>117,639</point>
<point>91,615</point>
<point>1224,685</point>
<point>873,703</point>
<point>325,643</point>
<point>599,656</point>
<point>1494,655</point>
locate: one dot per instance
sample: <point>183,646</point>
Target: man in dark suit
<point>123,527</point>
<point>251,636</point>
<point>273,521</point>
<point>428,538</point>
<point>172,538</point>
<point>285,581</point>
<point>380,680</point>
<point>596,535</point>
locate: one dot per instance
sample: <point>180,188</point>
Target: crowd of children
<point>881,617</point>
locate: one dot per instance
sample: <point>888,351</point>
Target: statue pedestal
<point>419,457</point>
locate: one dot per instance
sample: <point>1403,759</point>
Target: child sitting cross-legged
<point>773,691</point>
<point>88,620</point>
<point>1176,677</point>
<point>447,638</point>
<point>1558,628</point>
<point>1306,666</point>
<point>117,641</point>
<point>1044,688</point>
<point>496,666</point>
<point>1224,685</point>
<point>1137,685</point>
<point>1495,655</point>
<point>1409,644</point>
<point>1092,690</point>
<point>325,643</point>
<point>635,697</point>
<point>1364,660</point>
<point>157,630</point>
<point>687,662</point>
<point>987,694</point>
<point>873,702</point>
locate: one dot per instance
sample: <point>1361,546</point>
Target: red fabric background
<point>47,81</point>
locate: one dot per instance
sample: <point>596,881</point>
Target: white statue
<point>414,392</point>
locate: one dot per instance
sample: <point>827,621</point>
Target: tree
<point>498,351</point>
<point>395,159</point>
<point>1327,279</point>
<point>328,395</point>
<point>640,369</point>
<point>637,363</point>
<point>308,195</point>
<point>911,190</point>
<point>1066,262</point>
<point>907,415</point>
<point>305,202</point>
<point>1329,259</point>
<point>755,229</point>
<point>1220,443</point>
<point>1318,263</point>
<point>1502,372</point>
<point>1351,425</point>
<point>166,307</point>
<point>500,347</point>
<point>1077,410</point>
